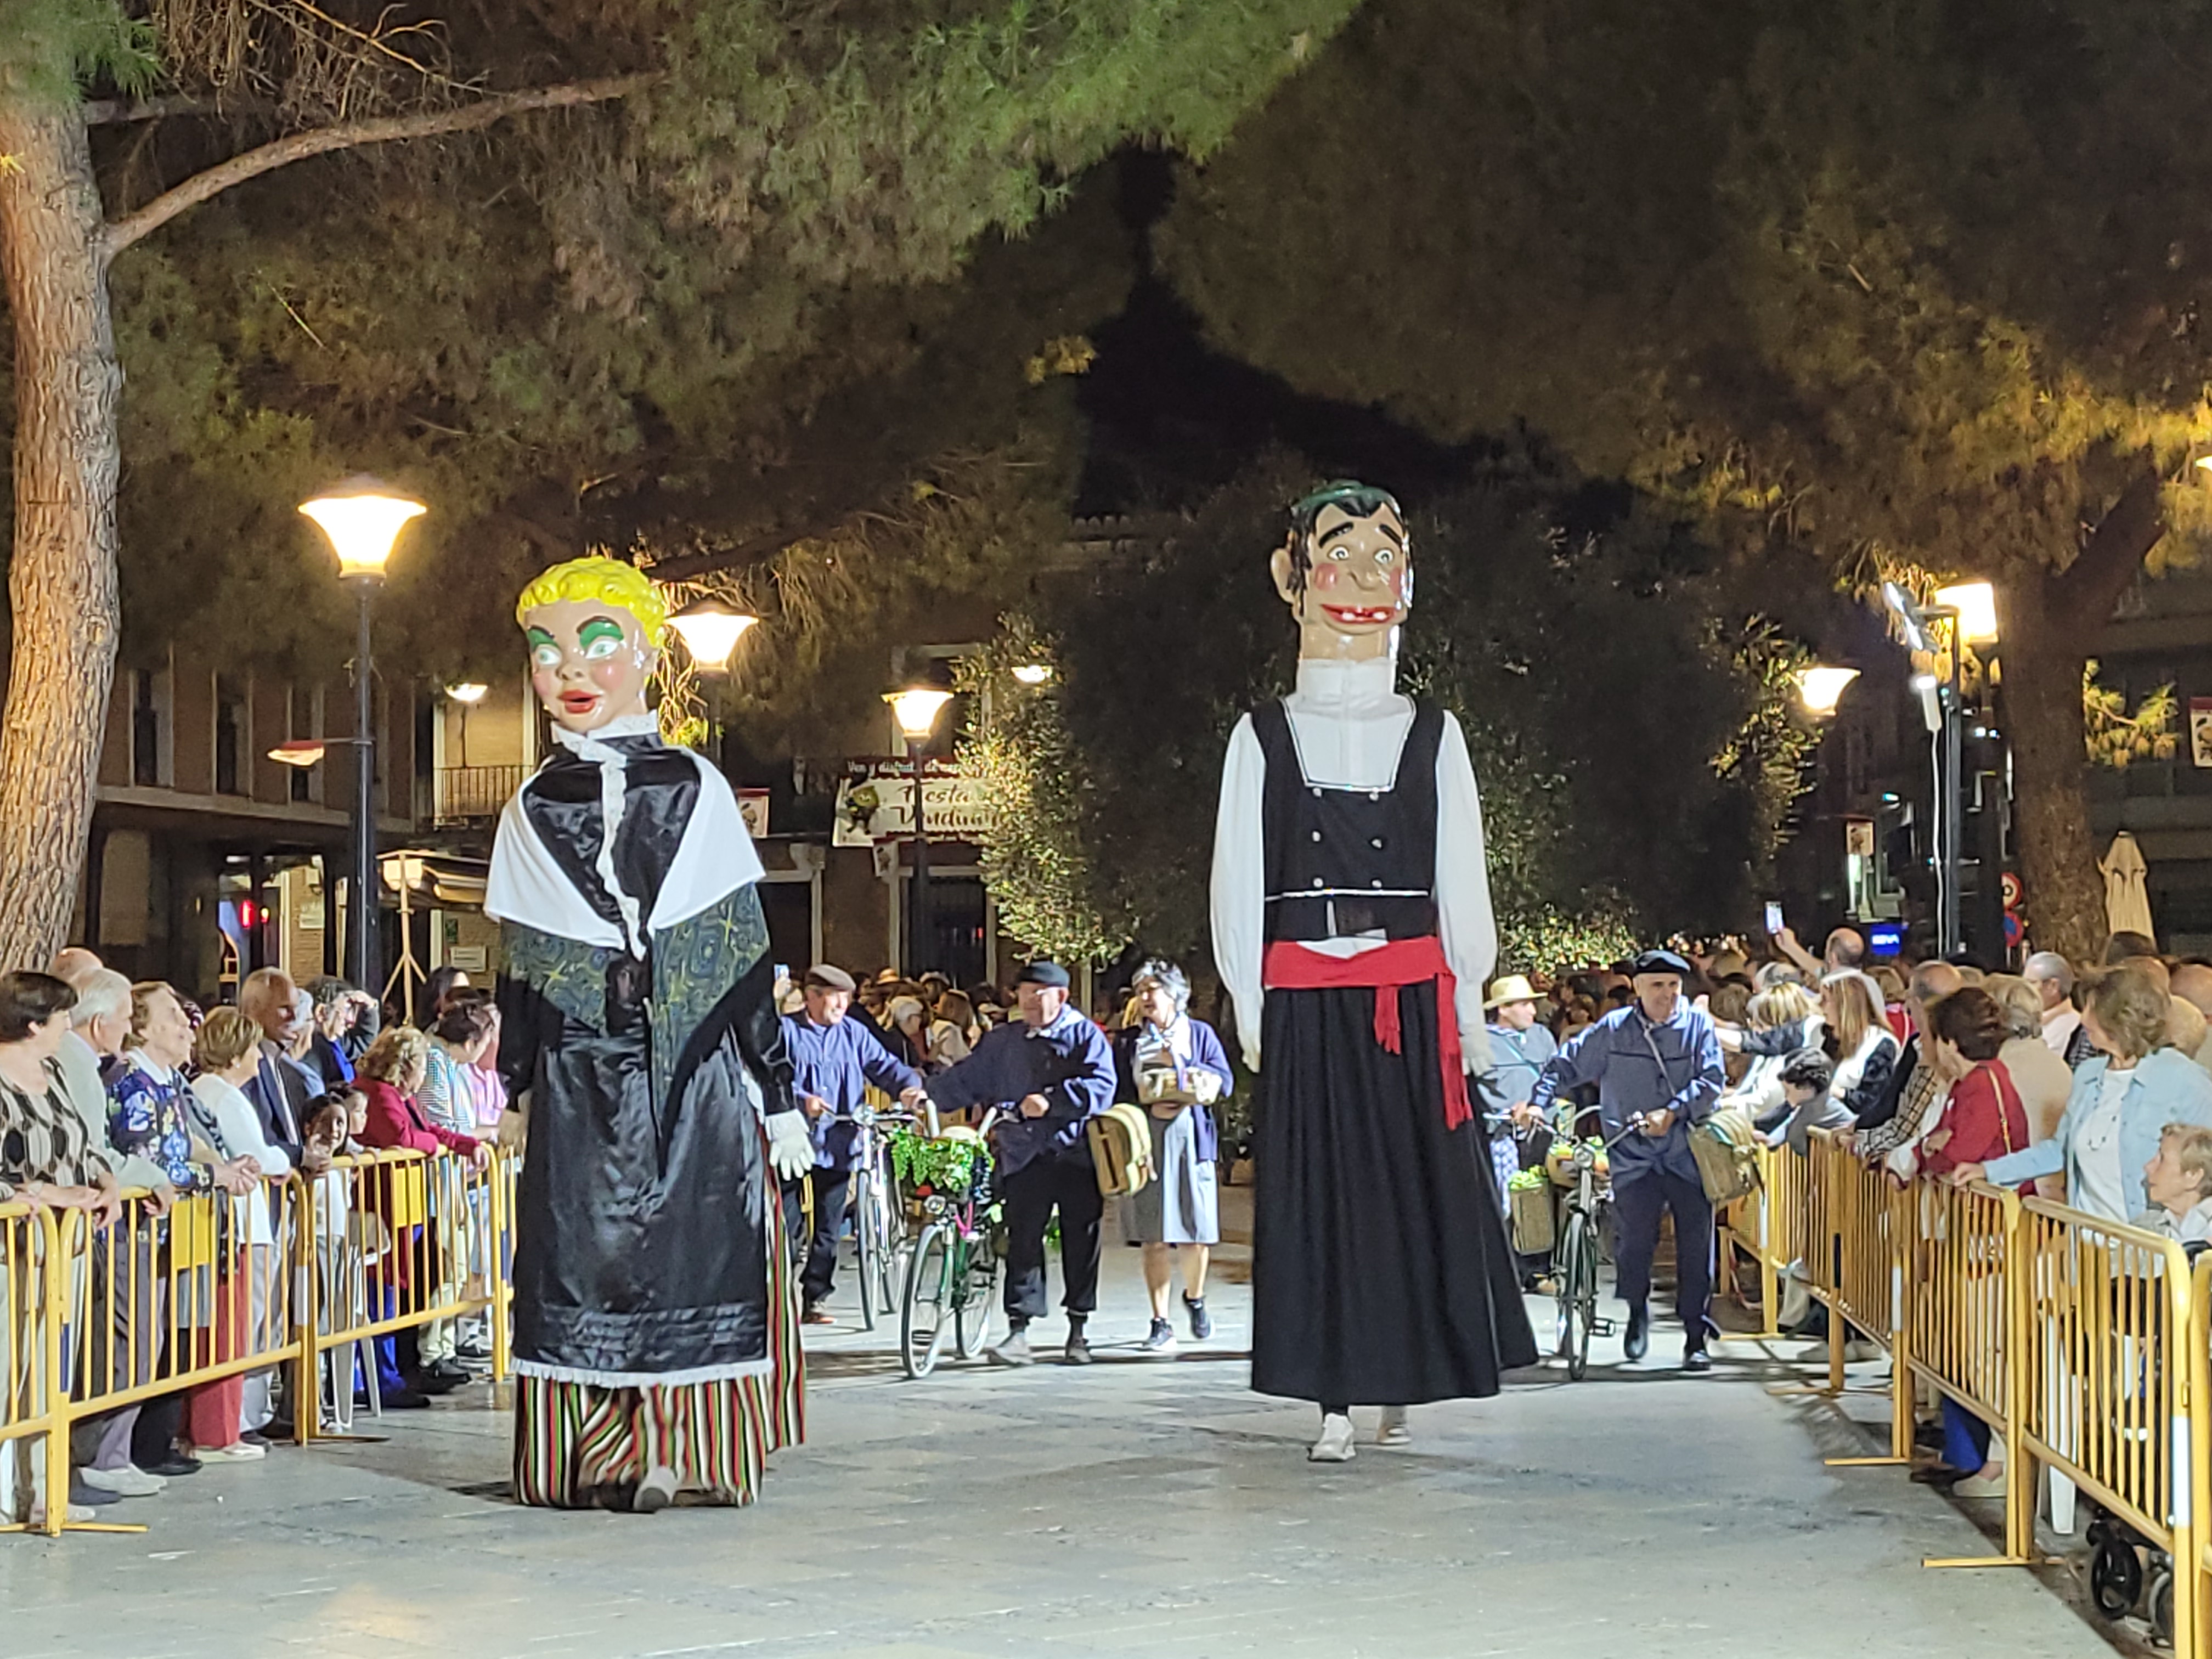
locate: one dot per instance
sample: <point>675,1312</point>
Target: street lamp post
<point>1970,608</point>
<point>916,709</point>
<point>710,631</point>
<point>362,519</point>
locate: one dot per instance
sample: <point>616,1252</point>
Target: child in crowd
<point>2177,1180</point>
<point>1805,1080</point>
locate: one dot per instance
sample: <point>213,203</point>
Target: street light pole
<point>916,709</point>
<point>918,893</point>
<point>362,519</point>
<point>1953,837</point>
<point>361,906</point>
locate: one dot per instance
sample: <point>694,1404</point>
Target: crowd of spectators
<point>2087,1083</point>
<point>108,1090</point>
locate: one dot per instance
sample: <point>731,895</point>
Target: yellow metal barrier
<point>35,1408</point>
<point>1761,1225</point>
<point>403,1239</point>
<point>93,1320</point>
<point>2111,1339</point>
<point>2194,1582</point>
<point>1965,1312</point>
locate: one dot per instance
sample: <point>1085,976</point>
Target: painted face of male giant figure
<point>1347,573</point>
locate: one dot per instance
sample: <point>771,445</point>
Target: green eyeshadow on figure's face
<point>544,649</point>
<point>602,636</point>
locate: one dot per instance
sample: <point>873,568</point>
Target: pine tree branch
<point>352,135</point>
<point>2083,596</point>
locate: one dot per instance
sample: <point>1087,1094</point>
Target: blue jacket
<point>1639,1067</point>
<point>1206,1054</point>
<point>2168,1087</point>
<point>1069,1062</point>
<point>836,1063</point>
<point>1517,1059</point>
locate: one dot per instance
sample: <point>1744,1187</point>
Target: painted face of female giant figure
<point>593,626</point>
<point>1347,573</point>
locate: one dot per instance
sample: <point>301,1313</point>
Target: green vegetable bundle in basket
<point>945,1169</point>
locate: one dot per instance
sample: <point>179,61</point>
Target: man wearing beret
<point>1657,1066</point>
<point>1051,1072</point>
<point>833,1059</point>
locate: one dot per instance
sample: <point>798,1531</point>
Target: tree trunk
<point>62,577</point>
<point>2064,900</point>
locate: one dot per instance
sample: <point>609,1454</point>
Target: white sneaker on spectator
<point>1335,1445</point>
<point>1393,1431</point>
<point>237,1452</point>
<point>1984,1485</point>
<point>128,1481</point>
<point>75,1515</point>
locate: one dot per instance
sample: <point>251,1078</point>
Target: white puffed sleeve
<point>1240,883</point>
<point>1468,925</point>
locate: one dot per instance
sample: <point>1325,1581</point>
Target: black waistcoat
<point>1342,860</point>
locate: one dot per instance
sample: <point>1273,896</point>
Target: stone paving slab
<point>1137,1508</point>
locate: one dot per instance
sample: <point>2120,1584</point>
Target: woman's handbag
<point>1121,1150</point>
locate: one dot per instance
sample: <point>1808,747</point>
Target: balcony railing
<point>469,794</point>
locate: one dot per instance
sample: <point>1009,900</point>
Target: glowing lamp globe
<point>916,709</point>
<point>710,631</point>
<point>362,519</point>
<point>1033,673</point>
<point>1976,604</point>
<point>1819,689</point>
<point>468,691</point>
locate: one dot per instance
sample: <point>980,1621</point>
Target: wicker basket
<point>1534,1223</point>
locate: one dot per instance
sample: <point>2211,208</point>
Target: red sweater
<point>1985,1118</point>
<point>394,1119</point>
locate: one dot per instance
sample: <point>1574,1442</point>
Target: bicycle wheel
<point>866,1243</point>
<point>1585,1299</point>
<point>893,1245</point>
<point>979,1278</point>
<point>925,1319</point>
<point>1573,1245</point>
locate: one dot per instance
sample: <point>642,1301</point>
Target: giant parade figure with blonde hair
<point>655,1338</point>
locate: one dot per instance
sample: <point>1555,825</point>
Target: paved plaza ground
<point>1138,1508</point>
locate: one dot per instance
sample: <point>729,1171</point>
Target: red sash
<point>1289,966</point>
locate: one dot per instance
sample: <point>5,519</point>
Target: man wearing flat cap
<point>1051,1072</point>
<point>1657,1066</point>
<point>833,1059</point>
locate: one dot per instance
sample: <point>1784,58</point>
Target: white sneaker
<point>1983,1485</point>
<point>128,1481</point>
<point>75,1514</point>
<point>237,1452</point>
<point>1335,1445</point>
<point>1393,1431</point>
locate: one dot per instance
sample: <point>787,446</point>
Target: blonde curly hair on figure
<point>598,577</point>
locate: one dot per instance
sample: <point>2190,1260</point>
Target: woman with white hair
<point>1175,1068</point>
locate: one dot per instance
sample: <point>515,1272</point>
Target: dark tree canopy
<point>1905,280</point>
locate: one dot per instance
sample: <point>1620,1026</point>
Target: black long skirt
<point>1380,1274</point>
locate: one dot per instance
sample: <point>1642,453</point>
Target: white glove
<point>1475,1050</point>
<point>790,1147</point>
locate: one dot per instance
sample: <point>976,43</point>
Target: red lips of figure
<point>1361,613</point>
<point>579,702</point>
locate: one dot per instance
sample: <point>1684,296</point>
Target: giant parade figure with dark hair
<point>656,1339</point>
<point>1353,927</point>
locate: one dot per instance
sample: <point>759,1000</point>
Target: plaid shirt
<point>43,1138</point>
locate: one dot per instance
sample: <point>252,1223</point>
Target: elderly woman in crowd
<point>226,1053</point>
<point>1984,1118</point>
<point>47,1157</point>
<point>1174,1066</point>
<point>2039,1072</point>
<point>206,1263</point>
<point>2111,1130</point>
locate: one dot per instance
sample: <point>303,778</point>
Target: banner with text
<point>875,803</point>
